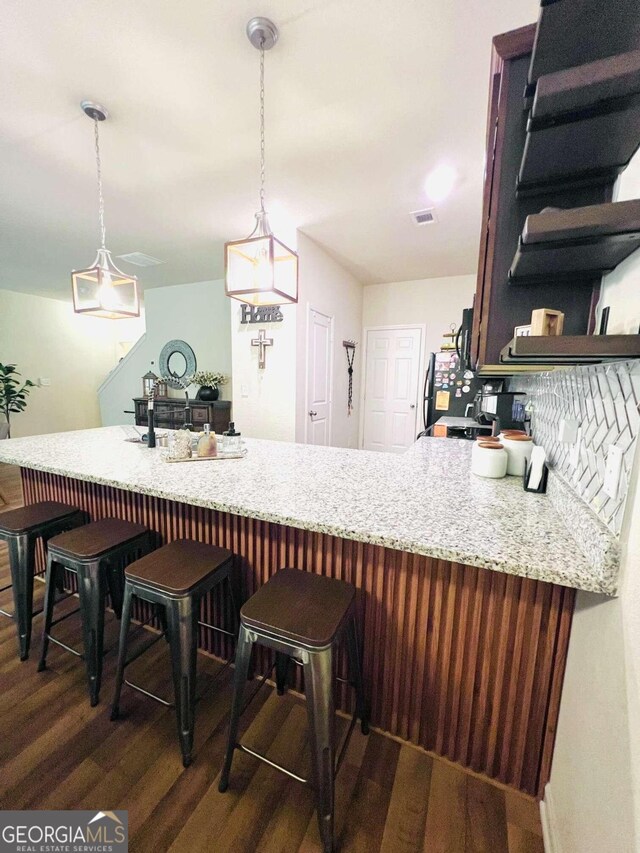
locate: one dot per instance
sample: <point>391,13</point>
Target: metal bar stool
<point>20,529</point>
<point>302,617</point>
<point>96,553</point>
<point>177,577</point>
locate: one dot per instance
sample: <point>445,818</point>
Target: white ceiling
<point>364,97</point>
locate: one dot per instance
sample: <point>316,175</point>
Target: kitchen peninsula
<point>466,586</point>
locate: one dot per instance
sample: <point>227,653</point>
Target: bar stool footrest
<point>219,630</point>
<point>273,764</point>
<point>62,618</point>
<point>148,693</point>
<point>65,646</point>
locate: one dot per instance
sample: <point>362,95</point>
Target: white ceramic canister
<point>489,459</point>
<point>519,449</point>
<point>509,433</point>
<point>483,439</point>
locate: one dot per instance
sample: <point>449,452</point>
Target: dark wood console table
<point>169,413</point>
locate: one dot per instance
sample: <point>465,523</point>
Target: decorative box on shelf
<point>169,413</point>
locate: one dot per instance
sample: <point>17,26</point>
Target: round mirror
<point>177,363</point>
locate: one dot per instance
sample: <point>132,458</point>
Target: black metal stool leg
<point>115,582</point>
<point>235,595</point>
<point>59,576</point>
<point>182,617</point>
<point>92,591</point>
<point>122,650</point>
<point>282,670</point>
<point>161,612</point>
<point>21,562</point>
<point>243,658</point>
<point>318,680</point>
<point>355,675</point>
<point>49,601</point>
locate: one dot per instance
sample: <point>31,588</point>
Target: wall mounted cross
<point>263,342</point>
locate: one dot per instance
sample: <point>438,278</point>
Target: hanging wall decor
<point>261,314</point>
<point>102,289</point>
<point>262,342</point>
<point>260,269</point>
<point>350,349</point>
<point>177,363</point>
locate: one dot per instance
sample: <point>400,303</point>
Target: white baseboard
<point>549,824</point>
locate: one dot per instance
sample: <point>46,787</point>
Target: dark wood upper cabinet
<point>563,122</point>
<point>500,305</point>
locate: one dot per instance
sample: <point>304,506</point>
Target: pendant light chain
<point>100,197</point>
<point>262,158</point>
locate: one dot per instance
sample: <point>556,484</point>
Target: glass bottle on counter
<point>232,439</point>
<point>207,443</point>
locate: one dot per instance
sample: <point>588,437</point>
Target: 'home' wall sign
<point>261,314</point>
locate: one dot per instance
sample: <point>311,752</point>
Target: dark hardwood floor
<point>57,752</point>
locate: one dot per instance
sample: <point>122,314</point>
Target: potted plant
<point>13,396</point>
<point>209,383</point>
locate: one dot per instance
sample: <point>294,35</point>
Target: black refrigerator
<point>450,384</point>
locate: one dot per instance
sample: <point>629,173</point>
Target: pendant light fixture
<point>261,270</point>
<point>103,290</point>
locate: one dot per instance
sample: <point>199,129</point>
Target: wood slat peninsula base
<point>465,662</point>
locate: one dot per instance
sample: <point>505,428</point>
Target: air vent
<point>139,259</point>
<point>424,217</point>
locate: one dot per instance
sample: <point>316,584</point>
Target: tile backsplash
<point>604,399</point>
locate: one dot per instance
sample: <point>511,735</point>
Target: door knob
<point>412,405</point>
<point>312,414</point>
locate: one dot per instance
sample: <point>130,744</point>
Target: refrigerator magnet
<point>442,400</point>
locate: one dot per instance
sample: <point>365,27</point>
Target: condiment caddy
<point>184,446</point>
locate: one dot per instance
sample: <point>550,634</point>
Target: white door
<point>391,388</point>
<point>318,415</point>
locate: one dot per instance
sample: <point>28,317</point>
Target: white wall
<point>47,340</point>
<point>592,801</point>
<point>271,403</point>
<point>437,302</point>
<point>197,313</point>
<point>264,401</point>
<point>621,289</point>
<point>328,288</point>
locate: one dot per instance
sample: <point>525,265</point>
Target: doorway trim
<point>331,319</point>
<point>421,368</point>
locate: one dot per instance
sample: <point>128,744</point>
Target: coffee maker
<point>498,408</point>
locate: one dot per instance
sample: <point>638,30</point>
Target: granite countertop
<point>425,501</point>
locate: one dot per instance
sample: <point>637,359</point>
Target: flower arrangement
<point>209,378</point>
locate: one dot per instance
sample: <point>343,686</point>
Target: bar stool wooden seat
<point>303,616</point>
<point>97,554</point>
<point>176,577</point>
<point>20,529</point>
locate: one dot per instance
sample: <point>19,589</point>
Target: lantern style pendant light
<point>261,270</point>
<point>103,290</point>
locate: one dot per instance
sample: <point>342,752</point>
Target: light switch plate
<point>612,471</point>
<point>43,382</point>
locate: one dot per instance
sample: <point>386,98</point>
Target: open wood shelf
<point>577,244</point>
<point>572,32</point>
<point>584,125</point>
<point>570,349</point>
